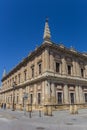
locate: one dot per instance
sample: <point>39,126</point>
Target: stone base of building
<point>44,108</point>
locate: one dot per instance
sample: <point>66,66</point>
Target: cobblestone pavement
<point>61,120</point>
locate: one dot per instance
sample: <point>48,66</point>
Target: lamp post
<point>13,96</point>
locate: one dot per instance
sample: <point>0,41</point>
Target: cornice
<point>56,78</point>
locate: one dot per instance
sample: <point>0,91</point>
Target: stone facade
<point>50,75</point>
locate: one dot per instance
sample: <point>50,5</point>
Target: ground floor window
<point>85,97</point>
<point>11,98</point>
<point>59,97</point>
<point>17,98</point>
<point>23,101</point>
<point>72,98</point>
<point>39,98</point>
<point>31,98</point>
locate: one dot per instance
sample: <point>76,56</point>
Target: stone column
<point>47,58</point>
<point>63,66</point>
<point>66,94</point>
<point>81,94</point>
<point>77,94</point>
<point>51,62</point>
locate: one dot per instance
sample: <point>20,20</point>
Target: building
<point>50,75</point>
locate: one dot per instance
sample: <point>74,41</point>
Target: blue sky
<point>22,24</point>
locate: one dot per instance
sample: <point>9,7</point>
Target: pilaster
<point>35,94</point>
<point>77,94</point>
<point>51,62</point>
<point>47,58</point>
<point>74,68</point>
<point>43,92</point>
<point>20,95</point>
<point>77,69</point>
<point>81,94</point>
<point>63,66</point>
<point>66,94</point>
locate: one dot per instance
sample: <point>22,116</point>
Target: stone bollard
<point>45,110</point>
<point>75,109</point>
<point>49,110</point>
<point>71,109</point>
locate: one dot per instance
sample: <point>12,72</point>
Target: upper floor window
<point>25,75</point>
<point>40,68</point>
<point>12,80</point>
<point>57,67</point>
<point>19,76</point>
<point>69,69</point>
<point>16,79</point>
<point>32,69</point>
<point>82,72</point>
<point>8,83</point>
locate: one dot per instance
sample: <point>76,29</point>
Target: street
<point>61,120</point>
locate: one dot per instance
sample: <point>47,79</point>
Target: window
<point>82,72</point>
<point>25,75</point>
<point>32,68</point>
<point>12,80</point>
<point>31,98</point>
<point>72,98</point>
<point>69,69</point>
<point>17,98</point>
<point>11,97</point>
<point>8,83</point>
<point>57,67</point>
<point>39,98</point>
<point>19,75</point>
<point>85,97</point>
<point>40,67</point>
<point>8,100</point>
<point>59,97</point>
<point>15,79</point>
